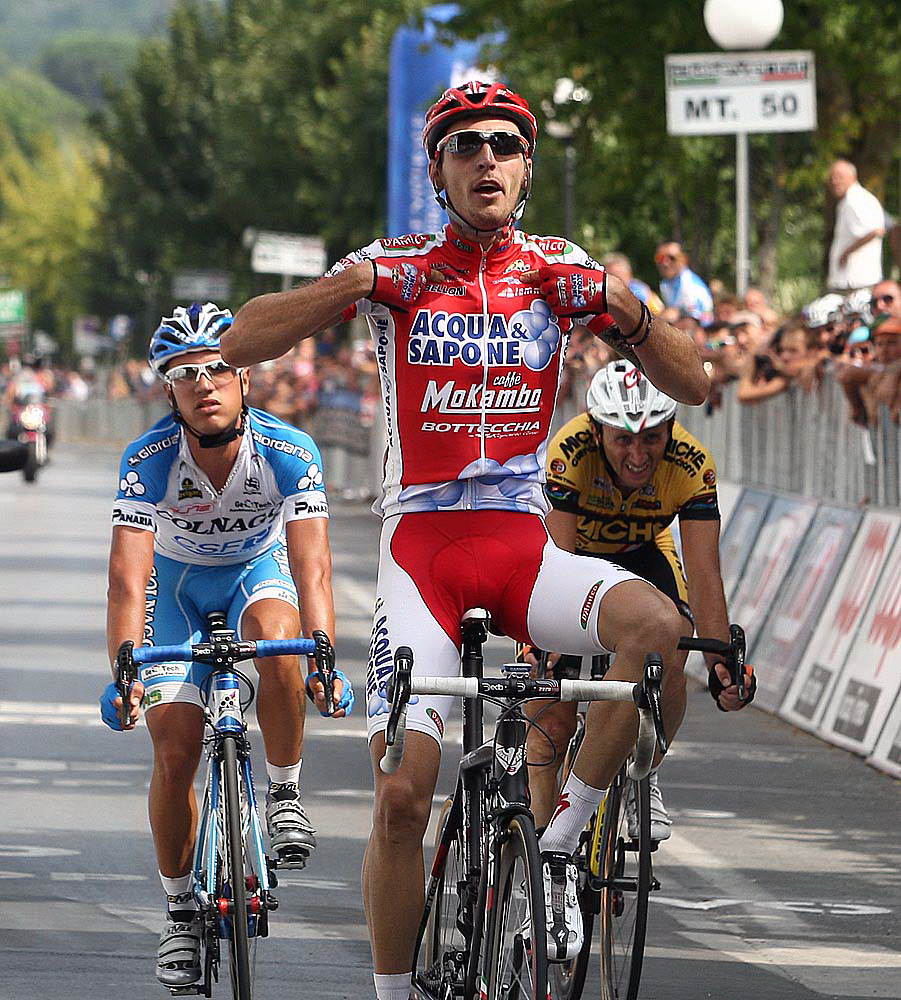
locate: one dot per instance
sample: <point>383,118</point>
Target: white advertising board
<point>719,93</point>
<point>739,536</point>
<point>887,754</point>
<point>814,680</point>
<point>778,541</point>
<point>871,678</point>
<point>799,602</point>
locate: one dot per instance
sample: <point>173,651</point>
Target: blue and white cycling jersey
<point>688,291</point>
<point>276,478</point>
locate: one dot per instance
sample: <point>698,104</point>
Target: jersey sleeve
<point>697,499</point>
<point>362,306</point>
<point>562,487</point>
<point>143,474</point>
<point>300,479</point>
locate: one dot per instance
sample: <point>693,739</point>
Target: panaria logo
<point>586,606</point>
<point>631,378</point>
<point>558,466</point>
<point>415,241</point>
<point>709,477</point>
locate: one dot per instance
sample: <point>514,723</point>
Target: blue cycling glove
<point>347,693</point>
<point>108,711</point>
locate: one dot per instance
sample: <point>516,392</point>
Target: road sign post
<point>721,93</point>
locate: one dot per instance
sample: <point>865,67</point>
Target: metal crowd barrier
<point>802,442</point>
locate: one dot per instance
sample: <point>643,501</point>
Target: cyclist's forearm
<point>708,604</point>
<point>268,326</point>
<point>668,356</point>
<point>317,606</point>
<point>124,617</point>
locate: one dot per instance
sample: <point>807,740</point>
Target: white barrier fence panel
<point>777,543</point>
<point>740,534</point>
<point>799,602</point>
<point>887,754</point>
<point>871,678</point>
<point>814,682</point>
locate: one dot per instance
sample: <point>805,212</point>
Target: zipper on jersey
<point>483,416</point>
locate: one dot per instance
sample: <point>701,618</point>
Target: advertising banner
<point>815,678</point>
<point>871,678</point>
<point>799,603</point>
<point>421,68</point>
<point>773,553</point>
<point>887,755</point>
<point>740,535</point>
<point>727,497</point>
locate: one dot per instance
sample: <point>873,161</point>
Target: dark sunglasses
<point>470,141</point>
<point>661,257</point>
<point>881,298</point>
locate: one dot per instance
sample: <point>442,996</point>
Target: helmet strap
<point>470,231</point>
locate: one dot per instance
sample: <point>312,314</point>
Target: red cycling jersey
<point>469,374</point>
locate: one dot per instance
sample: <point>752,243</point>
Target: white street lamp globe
<point>743,24</point>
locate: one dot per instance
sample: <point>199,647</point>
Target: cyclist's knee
<point>637,619</point>
<point>558,725</point>
<point>401,811</point>
<point>270,619</point>
<point>176,763</point>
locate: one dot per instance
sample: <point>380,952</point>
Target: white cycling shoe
<point>561,900</point>
<point>290,831</point>
<point>661,824</point>
<point>178,955</point>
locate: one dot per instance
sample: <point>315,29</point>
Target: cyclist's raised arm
<point>130,565</point>
<point>270,325</point>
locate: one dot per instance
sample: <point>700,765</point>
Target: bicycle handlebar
<point>644,694</point>
<point>222,650</point>
<point>732,652</point>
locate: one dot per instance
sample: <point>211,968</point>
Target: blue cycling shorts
<point>179,597</point>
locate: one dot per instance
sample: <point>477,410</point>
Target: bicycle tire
<point>566,980</point>
<point>239,945</point>
<point>625,889</point>
<point>518,907</point>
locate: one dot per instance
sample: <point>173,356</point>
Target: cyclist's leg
<point>393,878</point>
<point>264,606</point>
<point>582,604</point>
<point>547,745</point>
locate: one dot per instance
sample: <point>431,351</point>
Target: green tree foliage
<point>262,113</point>
<point>30,106</point>
<point>636,184</point>
<point>85,63</point>
<point>47,229</point>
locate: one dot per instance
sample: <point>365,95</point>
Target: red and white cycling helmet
<point>477,98</point>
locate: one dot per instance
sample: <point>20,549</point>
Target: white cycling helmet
<point>621,396</point>
<point>822,310</point>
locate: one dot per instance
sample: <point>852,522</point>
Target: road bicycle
<point>233,877</point>
<point>615,867</point>
<point>483,925</point>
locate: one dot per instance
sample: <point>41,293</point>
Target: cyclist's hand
<point>527,654</point>
<point>398,283</point>
<point>725,692</point>
<point>571,290</point>
<point>111,703</point>
<point>342,693</point>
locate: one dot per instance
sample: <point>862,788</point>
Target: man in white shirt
<point>855,257</point>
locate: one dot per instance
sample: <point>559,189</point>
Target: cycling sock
<point>575,807</point>
<point>282,775</point>
<point>393,987</point>
<point>181,902</point>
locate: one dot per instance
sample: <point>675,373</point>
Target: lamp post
<point>742,24</point>
<point>562,118</point>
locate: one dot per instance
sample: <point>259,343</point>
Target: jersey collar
<point>469,254</point>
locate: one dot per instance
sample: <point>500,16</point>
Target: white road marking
<point>839,909</point>
<point>35,851</point>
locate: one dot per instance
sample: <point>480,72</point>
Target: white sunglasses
<point>218,372</point>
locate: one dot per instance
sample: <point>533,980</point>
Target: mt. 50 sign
<point>720,92</point>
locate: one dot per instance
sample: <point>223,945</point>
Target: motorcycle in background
<point>29,425</point>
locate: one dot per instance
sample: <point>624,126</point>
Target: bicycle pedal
<point>186,991</point>
<point>292,860</point>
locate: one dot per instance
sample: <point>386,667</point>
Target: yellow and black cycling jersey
<point>580,481</point>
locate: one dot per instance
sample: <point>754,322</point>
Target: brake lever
<point>324,655</point>
<point>653,676</point>
<point>737,659</point>
<point>399,690</point>
<point>126,675</point>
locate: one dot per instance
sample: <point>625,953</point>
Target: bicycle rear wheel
<point>517,938</point>
<point>239,944</point>
<point>625,886</point>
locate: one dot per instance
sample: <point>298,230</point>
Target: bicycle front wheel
<point>517,939</point>
<point>625,864</point>
<point>239,945</point>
